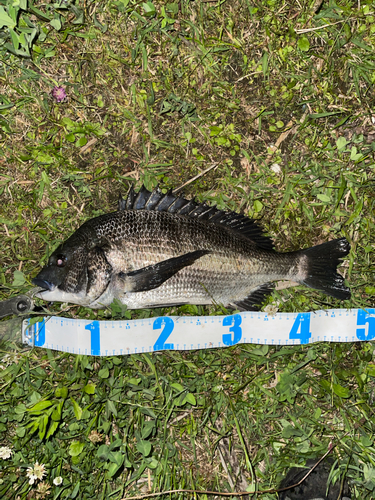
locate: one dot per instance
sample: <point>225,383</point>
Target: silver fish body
<point>162,250</point>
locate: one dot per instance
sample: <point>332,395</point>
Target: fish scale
<point>160,250</point>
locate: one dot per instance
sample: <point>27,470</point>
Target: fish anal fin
<point>253,302</point>
<point>153,276</point>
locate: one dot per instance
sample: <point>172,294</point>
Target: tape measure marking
<point>105,338</point>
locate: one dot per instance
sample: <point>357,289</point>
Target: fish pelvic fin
<point>256,298</point>
<point>153,276</point>
<point>320,268</point>
<point>158,201</point>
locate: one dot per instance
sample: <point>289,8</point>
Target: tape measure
<point>110,338</point>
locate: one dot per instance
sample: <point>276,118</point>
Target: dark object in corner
<point>314,487</point>
<point>21,304</point>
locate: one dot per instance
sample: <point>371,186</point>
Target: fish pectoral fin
<point>153,276</point>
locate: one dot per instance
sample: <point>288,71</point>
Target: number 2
<point>168,325</point>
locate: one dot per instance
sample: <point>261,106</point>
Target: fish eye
<point>60,260</point>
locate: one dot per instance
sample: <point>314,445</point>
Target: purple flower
<point>58,93</point>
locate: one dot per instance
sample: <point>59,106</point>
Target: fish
<point>160,249</point>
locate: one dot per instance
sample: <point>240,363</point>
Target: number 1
<point>94,327</point>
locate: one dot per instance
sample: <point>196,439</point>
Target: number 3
<point>235,321</point>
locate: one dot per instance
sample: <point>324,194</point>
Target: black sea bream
<point>162,250</point>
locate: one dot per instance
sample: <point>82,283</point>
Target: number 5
<point>366,318</point>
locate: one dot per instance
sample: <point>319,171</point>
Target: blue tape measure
<point>109,338</point>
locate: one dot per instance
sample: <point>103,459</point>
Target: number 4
<point>301,328</point>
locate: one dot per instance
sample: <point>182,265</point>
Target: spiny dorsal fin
<point>157,200</point>
<point>128,202</point>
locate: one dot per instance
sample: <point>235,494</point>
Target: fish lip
<point>46,285</point>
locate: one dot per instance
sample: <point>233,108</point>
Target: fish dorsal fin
<point>158,201</point>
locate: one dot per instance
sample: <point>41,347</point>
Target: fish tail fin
<point>321,268</point>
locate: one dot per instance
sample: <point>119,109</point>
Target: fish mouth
<point>46,285</point>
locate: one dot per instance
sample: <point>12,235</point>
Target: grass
<point>280,96</point>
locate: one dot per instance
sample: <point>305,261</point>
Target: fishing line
<point>183,333</point>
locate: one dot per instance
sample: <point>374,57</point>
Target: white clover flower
<point>39,470</point>
<point>31,477</point>
<point>6,360</point>
<point>276,168</point>
<point>57,481</point>
<point>5,452</point>
<point>36,473</point>
<point>43,490</point>
<point>10,358</point>
<point>271,309</point>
